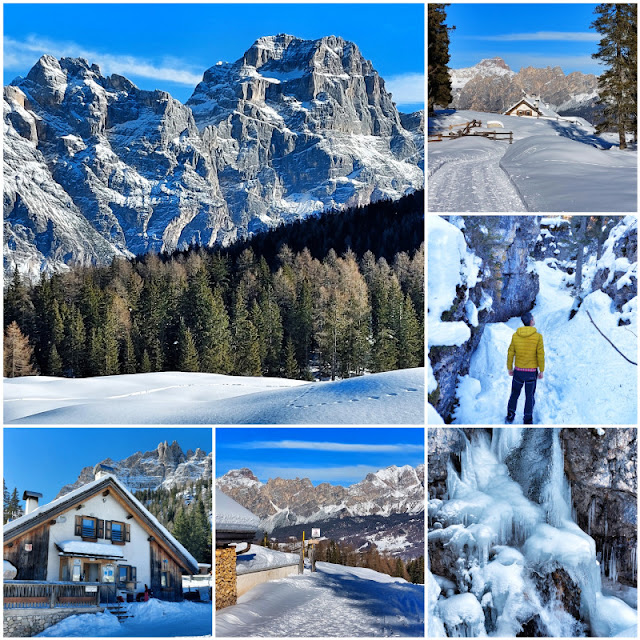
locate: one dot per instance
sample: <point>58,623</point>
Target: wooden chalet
<point>98,535</point>
<point>531,107</point>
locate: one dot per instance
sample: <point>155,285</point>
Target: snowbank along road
<point>552,165</point>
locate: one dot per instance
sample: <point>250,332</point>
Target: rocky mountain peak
<point>165,466</point>
<point>494,62</point>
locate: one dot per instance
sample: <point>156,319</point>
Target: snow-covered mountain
<point>166,466</point>
<point>282,502</point>
<point>95,167</point>
<point>492,86</point>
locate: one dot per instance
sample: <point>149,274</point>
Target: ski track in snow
<point>336,601</point>
<point>474,183</point>
<point>583,374</point>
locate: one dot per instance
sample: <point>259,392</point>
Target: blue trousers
<point>526,379</point>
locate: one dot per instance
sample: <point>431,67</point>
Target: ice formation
<point>507,535</point>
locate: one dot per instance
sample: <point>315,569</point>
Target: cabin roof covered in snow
<point>63,503</point>
<point>232,516</point>
<point>542,108</point>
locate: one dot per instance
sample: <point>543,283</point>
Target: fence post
<point>52,600</point>
<point>301,564</point>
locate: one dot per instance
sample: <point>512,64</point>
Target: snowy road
<point>336,601</point>
<point>583,375</point>
<point>471,180</point>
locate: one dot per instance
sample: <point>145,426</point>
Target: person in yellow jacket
<point>527,348</point>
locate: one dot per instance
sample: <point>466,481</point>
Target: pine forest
<point>330,297</point>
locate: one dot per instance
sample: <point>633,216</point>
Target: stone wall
<point>25,623</point>
<point>226,590</point>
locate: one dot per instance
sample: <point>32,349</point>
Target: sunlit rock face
<point>296,126</point>
<point>95,167</point>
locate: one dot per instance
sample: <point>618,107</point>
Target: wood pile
<point>226,593</point>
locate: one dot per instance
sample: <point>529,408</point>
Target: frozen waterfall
<point>506,557</point>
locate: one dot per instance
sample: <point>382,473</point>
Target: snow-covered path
<point>583,375</point>
<point>336,601</point>
<point>471,180</point>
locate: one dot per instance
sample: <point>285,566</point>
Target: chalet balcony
<point>31,594</point>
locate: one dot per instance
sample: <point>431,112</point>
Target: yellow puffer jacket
<point>528,349</point>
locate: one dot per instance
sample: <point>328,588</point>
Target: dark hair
<point>526,318</point>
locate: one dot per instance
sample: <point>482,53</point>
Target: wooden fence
<point>28,594</point>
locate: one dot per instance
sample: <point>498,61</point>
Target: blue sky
<point>338,456</point>
<point>538,35</point>
<point>169,46</point>
<point>45,459</point>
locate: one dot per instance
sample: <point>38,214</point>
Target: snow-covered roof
<point>59,504</point>
<point>231,516</point>
<point>80,547</point>
<point>537,105</point>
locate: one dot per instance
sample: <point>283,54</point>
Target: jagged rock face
<point>506,245</point>
<point>602,470</point>
<point>281,502</point>
<point>166,466</point>
<point>297,126</point>
<point>95,167</point>
<point>492,86</point>
<point>129,162</point>
<point>442,444</point>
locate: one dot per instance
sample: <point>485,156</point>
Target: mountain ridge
<point>96,167</point>
<point>285,502</point>
<point>492,86</point>
<point>166,466</point>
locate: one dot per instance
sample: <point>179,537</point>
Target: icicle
<point>613,566</point>
<point>591,515</point>
<point>633,564</point>
<point>557,498</point>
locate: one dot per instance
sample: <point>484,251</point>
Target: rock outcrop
<point>507,288</point>
<point>601,465</point>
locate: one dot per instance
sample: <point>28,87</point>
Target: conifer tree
<point>188,355</point>
<point>618,85</point>
<point>439,82</point>
<point>410,339</point>
<point>6,499</point>
<point>15,508</point>
<point>291,368</point>
<point>18,353</point>
<point>74,343</point>
<point>245,339</point>
<point>55,362</point>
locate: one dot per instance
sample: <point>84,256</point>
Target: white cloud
<point>332,446</point>
<point>407,88</point>
<point>347,474</point>
<point>564,36</point>
<point>21,54</point>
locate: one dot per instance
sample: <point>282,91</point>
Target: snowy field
<point>551,166</point>
<point>153,619</point>
<point>394,397</point>
<point>336,601</point>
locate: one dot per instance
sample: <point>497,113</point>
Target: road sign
<point>315,533</point>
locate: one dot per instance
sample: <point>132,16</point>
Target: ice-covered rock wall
<point>480,271</point>
<point>506,554</point>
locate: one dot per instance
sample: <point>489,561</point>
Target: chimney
<point>102,470</point>
<point>31,501</point>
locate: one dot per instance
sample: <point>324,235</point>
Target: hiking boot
<point>509,419</point>
<point>528,421</point>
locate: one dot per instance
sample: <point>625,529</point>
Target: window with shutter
<point>128,532</point>
<point>100,528</point>
<point>117,532</point>
<point>78,526</point>
<point>107,529</point>
<point>89,528</point>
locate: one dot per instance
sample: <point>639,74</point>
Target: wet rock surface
<point>602,470</point>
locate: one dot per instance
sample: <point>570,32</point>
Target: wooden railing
<point>29,594</point>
